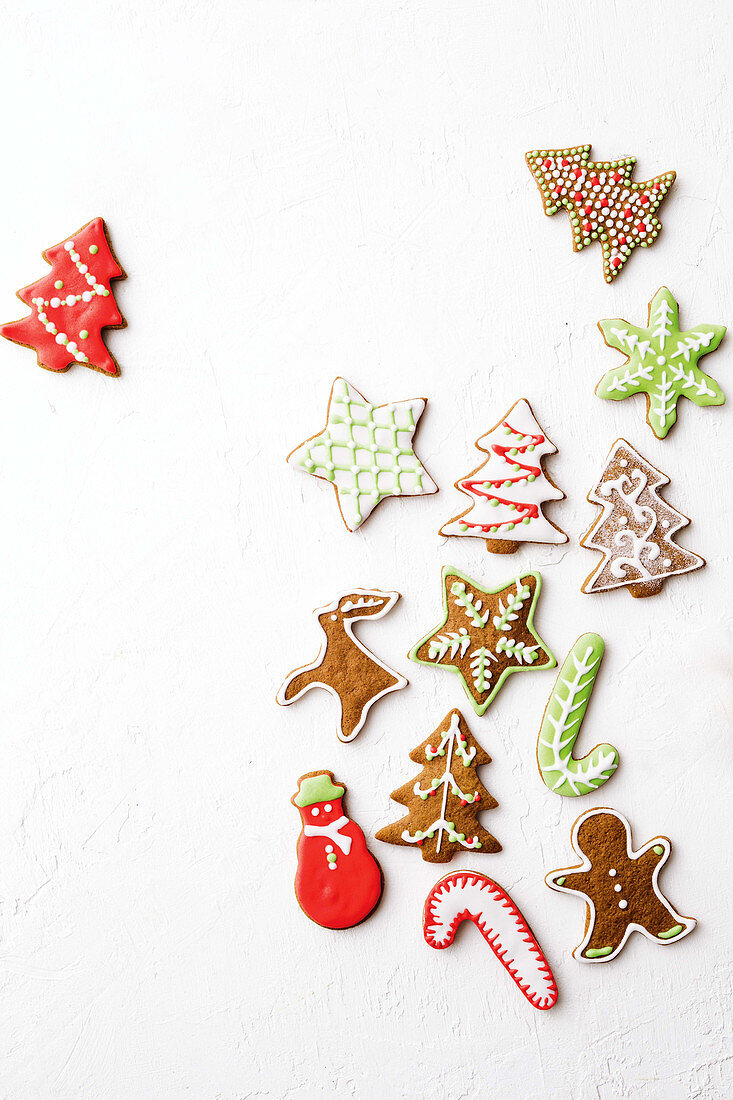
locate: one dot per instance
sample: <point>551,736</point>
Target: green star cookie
<point>661,362</point>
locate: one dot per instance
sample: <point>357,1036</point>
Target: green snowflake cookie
<point>661,362</point>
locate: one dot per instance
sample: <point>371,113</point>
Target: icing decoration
<point>661,362</point>
<point>602,200</point>
<point>508,489</point>
<point>620,887</point>
<point>345,667</point>
<point>72,304</point>
<point>484,639</point>
<point>445,799</point>
<point>338,881</point>
<point>635,531</point>
<point>560,770</point>
<point>366,452</point>
<point>465,895</point>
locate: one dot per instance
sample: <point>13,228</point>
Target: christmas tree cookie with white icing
<point>620,887</point>
<point>446,797</point>
<point>72,304</point>
<point>603,201</point>
<point>486,634</point>
<point>338,882</point>
<point>508,489</point>
<point>366,452</point>
<point>661,362</point>
<point>635,530</point>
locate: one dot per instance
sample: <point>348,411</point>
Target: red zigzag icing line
<point>465,895</point>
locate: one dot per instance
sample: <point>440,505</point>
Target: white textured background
<point>298,190</point>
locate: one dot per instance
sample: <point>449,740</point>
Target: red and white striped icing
<point>465,895</point>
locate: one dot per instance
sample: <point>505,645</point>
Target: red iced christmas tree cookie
<point>338,882</point>
<point>72,304</point>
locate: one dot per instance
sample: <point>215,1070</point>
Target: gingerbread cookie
<point>563,717</point>
<point>661,362</point>
<point>635,532</point>
<point>486,634</point>
<point>72,304</point>
<point>464,895</point>
<point>344,666</point>
<point>620,887</point>
<point>509,487</point>
<point>602,200</point>
<point>366,452</point>
<point>338,882</point>
<point>446,788</point>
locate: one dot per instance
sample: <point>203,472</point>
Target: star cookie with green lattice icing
<point>486,634</point>
<point>661,362</point>
<point>366,452</point>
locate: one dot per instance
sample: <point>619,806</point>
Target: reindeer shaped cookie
<point>344,666</point>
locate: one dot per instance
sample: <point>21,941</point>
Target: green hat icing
<point>317,788</point>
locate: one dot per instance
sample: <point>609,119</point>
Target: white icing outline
<point>688,923</point>
<point>390,599</point>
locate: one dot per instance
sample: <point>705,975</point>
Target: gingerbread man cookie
<point>620,887</point>
<point>344,666</point>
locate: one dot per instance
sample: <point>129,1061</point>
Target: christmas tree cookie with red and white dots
<point>603,202</point>
<point>72,304</point>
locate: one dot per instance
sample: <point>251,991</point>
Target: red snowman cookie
<point>338,882</point>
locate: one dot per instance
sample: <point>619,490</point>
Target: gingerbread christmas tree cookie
<point>620,887</point>
<point>446,797</point>
<point>603,202</point>
<point>486,634</point>
<point>344,666</point>
<point>508,489</point>
<point>72,304</point>
<point>661,362</point>
<point>635,530</point>
<point>366,452</point>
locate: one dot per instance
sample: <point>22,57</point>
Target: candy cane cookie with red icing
<point>465,895</point>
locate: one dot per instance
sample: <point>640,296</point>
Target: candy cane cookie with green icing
<point>563,717</point>
<point>620,887</point>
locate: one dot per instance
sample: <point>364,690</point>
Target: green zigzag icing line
<point>560,770</point>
